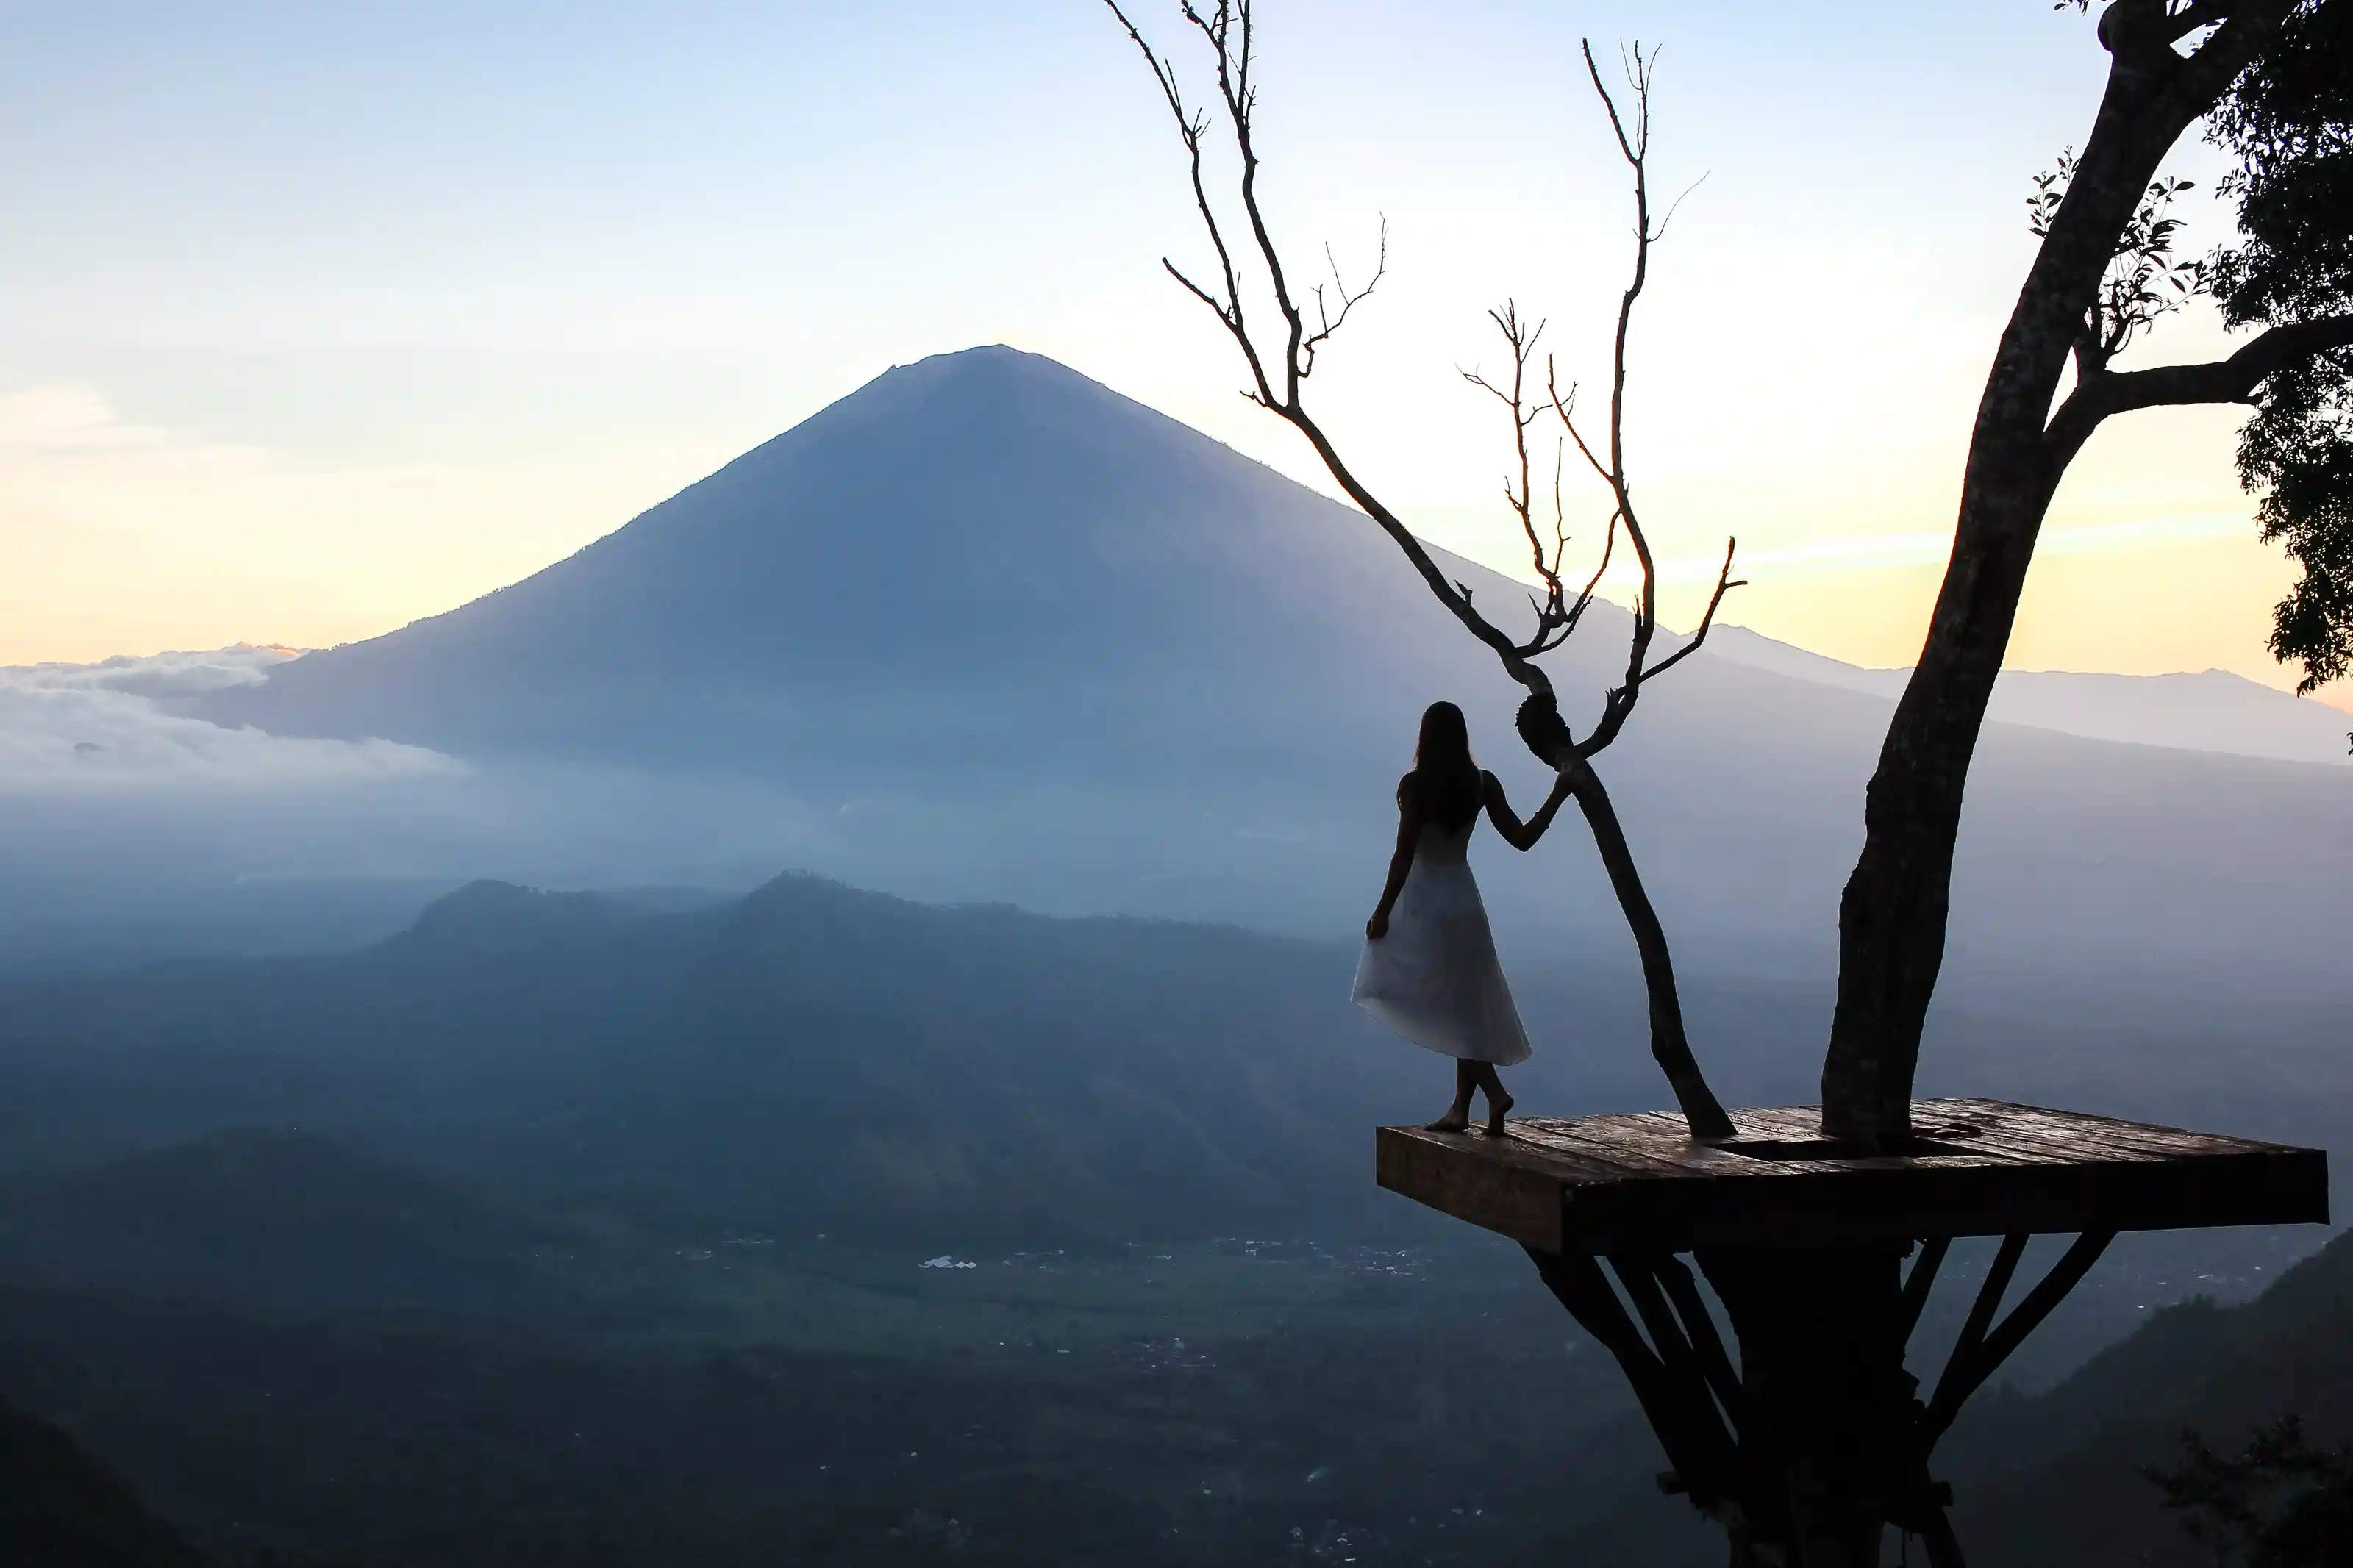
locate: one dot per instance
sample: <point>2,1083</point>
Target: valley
<point>454,1142</point>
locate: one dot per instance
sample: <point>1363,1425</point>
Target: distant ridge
<point>2211,711</point>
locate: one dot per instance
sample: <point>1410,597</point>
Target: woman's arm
<point>1517,833</point>
<point>1401,861</point>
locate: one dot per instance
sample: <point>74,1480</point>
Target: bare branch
<point>1191,128</point>
<point>1559,514</point>
<point>1724,584</point>
<point>1585,595</point>
<point>1565,405</point>
<point>1675,207</point>
<point>1277,374</point>
<point>1227,29</point>
<point>1327,324</point>
<point>1634,144</point>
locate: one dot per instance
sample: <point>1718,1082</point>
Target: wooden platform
<point>1639,1184</point>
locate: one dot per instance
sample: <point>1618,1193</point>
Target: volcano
<point>987,614</point>
<point>984,557</point>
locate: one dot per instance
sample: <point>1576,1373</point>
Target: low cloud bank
<point>119,723</point>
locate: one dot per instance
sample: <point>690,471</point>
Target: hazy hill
<point>61,1509</point>
<point>811,1053</point>
<point>814,1058</point>
<point>820,1058</point>
<point>2056,1480</point>
<point>272,1216</point>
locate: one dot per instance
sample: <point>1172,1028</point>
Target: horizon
<point>2055,543</point>
<point>340,407</point>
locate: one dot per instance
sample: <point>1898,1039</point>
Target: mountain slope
<point>61,1509</point>
<point>2212,710</point>
<point>987,629</point>
<point>2056,1480</point>
<point>982,558</point>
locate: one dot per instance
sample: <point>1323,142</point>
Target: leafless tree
<point>1281,356</point>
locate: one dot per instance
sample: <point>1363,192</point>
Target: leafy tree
<point>2281,1503</point>
<point>2274,79</point>
<point>2289,122</point>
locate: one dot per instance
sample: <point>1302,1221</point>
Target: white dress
<point>1435,978</point>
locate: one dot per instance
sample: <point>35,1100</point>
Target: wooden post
<point>1829,1403</point>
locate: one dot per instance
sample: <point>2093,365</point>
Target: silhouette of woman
<point>1430,969</point>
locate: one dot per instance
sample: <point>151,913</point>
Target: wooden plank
<point>2161,1143</point>
<point>1488,1189</point>
<point>1608,1147</point>
<point>2149,1137</point>
<point>2060,1142</point>
<point>2028,1145</point>
<point>2108,1123</point>
<point>1639,1184</point>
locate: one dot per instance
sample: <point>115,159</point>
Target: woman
<point>1430,969</point>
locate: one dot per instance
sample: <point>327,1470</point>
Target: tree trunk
<point>1892,916</point>
<point>1827,1404</point>
<point>1669,1045</point>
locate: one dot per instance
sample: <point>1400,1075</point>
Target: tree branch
<point>1228,29</point>
<point>1725,583</point>
<point>2233,380</point>
<point>1190,129</point>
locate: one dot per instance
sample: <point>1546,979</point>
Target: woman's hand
<point>1377,927</point>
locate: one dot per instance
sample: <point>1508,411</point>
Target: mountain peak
<point>977,551</point>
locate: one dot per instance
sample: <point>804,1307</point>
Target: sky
<point>318,318</point>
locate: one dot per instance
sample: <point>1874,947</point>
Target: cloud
<point>1930,549</point>
<point>117,724</point>
<point>122,534</point>
<point>59,420</point>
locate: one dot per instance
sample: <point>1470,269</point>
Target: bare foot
<point>1455,1120</point>
<point>1497,1111</point>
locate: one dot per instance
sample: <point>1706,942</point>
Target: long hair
<point>1445,781</point>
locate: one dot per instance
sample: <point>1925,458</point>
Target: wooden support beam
<point>1980,1319</point>
<point>1923,1278</point>
<point>1935,1533</point>
<point>1699,1448</point>
<point>1638,1275</point>
<point>1964,1377</point>
<point>1816,1439</point>
<point>1699,1326</point>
